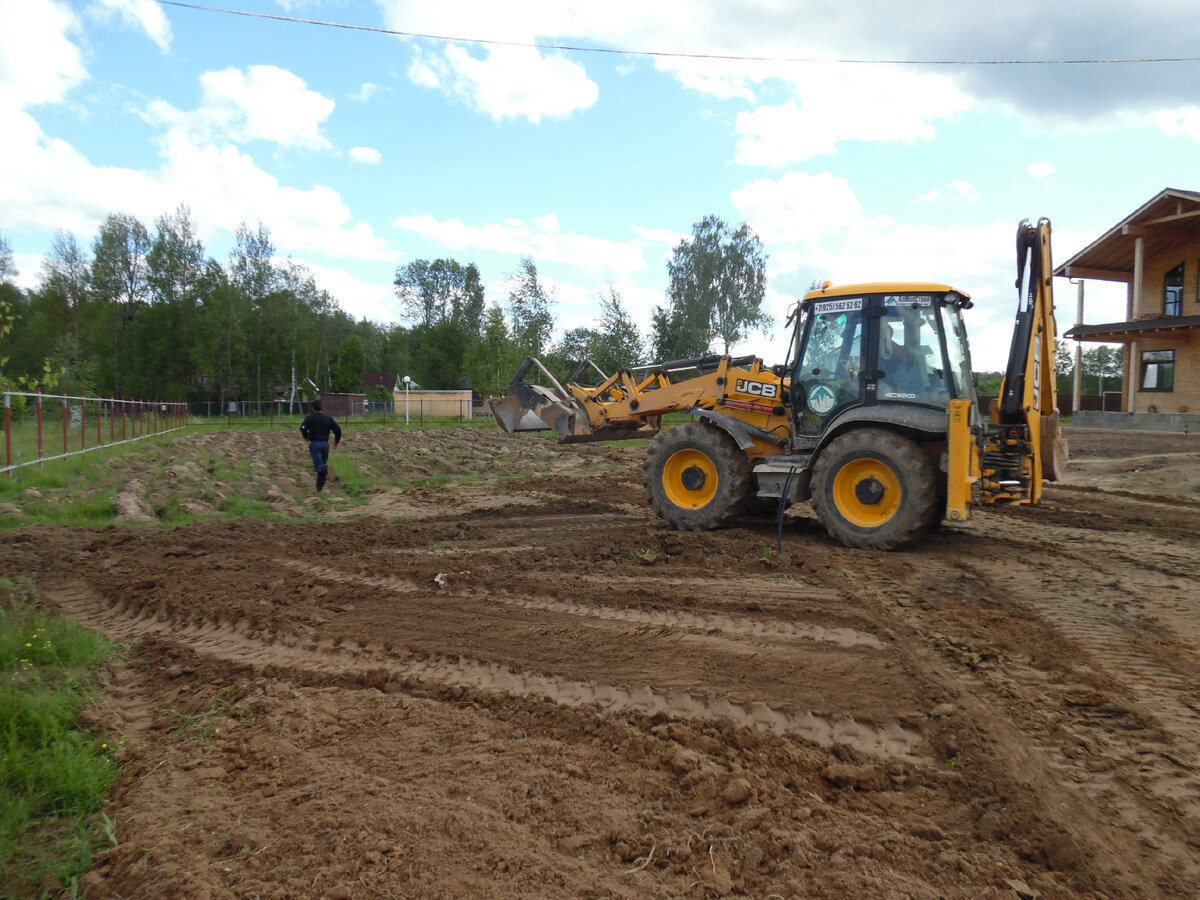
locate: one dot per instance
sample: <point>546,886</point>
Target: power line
<point>537,45</point>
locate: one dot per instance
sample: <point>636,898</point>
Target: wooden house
<point>1155,252</point>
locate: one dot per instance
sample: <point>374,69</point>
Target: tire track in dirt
<point>1135,758</point>
<point>696,623</point>
<point>239,642</point>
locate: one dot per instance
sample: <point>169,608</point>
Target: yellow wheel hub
<point>867,492</point>
<point>690,479</point>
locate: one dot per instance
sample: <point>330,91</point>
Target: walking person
<point>316,429</point>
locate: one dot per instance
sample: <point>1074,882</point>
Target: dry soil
<point>502,677</point>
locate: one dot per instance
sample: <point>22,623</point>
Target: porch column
<point>1077,385</point>
<point>1131,371</point>
<point>1135,301</point>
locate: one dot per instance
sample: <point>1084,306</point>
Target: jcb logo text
<point>758,388</point>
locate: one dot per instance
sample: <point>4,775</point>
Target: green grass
<point>54,778</point>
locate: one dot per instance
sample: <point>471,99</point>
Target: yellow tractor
<point>873,418</point>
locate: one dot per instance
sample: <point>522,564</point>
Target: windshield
<point>910,351</point>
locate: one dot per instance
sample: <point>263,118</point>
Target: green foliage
<point>441,291</point>
<point>717,283</point>
<point>493,359</point>
<point>529,310</point>
<point>140,313</point>
<point>615,345</point>
<point>55,778</point>
<point>350,366</point>
<point>1101,367</point>
<point>8,268</point>
<point>445,301</point>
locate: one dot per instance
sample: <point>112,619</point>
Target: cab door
<point>829,376</point>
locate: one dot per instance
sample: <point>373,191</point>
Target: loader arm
<point>632,402</point>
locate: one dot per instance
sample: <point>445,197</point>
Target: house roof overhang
<point>1125,332</point>
<point>1171,217</point>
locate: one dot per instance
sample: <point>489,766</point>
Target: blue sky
<point>362,151</point>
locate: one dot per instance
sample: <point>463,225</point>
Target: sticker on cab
<point>821,399</point>
<point>854,304</point>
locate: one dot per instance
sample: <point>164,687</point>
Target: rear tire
<point>696,477</point>
<point>874,489</point>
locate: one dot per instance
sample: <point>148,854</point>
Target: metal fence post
<point>41,435</point>
<point>8,429</point>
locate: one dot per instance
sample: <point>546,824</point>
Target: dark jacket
<point>317,426</point>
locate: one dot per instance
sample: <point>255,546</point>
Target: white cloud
<point>365,93</point>
<point>226,187</point>
<point>541,238</point>
<point>787,48</point>
<point>261,103</point>
<point>839,104</point>
<point>365,155</point>
<point>47,184</point>
<point>509,82</point>
<point>1042,169</point>
<point>927,197</point>
<point>145,15</point>
<point>39,63</point>
<point>798,208</point>
<point>1181,122</point>
<point>964,189</point>
<point>360,299</point>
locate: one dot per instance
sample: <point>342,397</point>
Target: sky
<point>860,140</point>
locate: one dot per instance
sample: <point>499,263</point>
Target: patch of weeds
<point>646,556</point>
<point>246,508</point>
<point>54,777</point>
<point>953,762</point>
<point>95,511</point>
<point>768,553</point>
<point>172,512</point>
<point>352,481</point>
<point>204,726</point>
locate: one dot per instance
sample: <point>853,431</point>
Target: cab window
<point>829,376</point>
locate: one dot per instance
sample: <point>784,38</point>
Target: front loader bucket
<point>531,407</point>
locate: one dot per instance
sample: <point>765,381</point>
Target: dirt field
<point>484,686</point>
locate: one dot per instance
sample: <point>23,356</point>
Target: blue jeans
<point>319,450</point>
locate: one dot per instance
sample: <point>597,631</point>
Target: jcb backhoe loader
<point>874,417</point>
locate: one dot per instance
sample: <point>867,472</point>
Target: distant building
<point>372,380</point>
<point>1155,252</point>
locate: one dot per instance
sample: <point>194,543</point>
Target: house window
<point>1158,370</point>
<point>1173,291</point>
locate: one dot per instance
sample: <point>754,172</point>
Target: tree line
<point>141,313</point>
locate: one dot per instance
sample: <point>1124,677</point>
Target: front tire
<point>874,489</point>
<point>696,477</point>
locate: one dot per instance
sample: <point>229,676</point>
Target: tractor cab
<point>876,350</point>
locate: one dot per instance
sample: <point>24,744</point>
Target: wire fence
<point>36,425</point>
<point>415,410</point>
